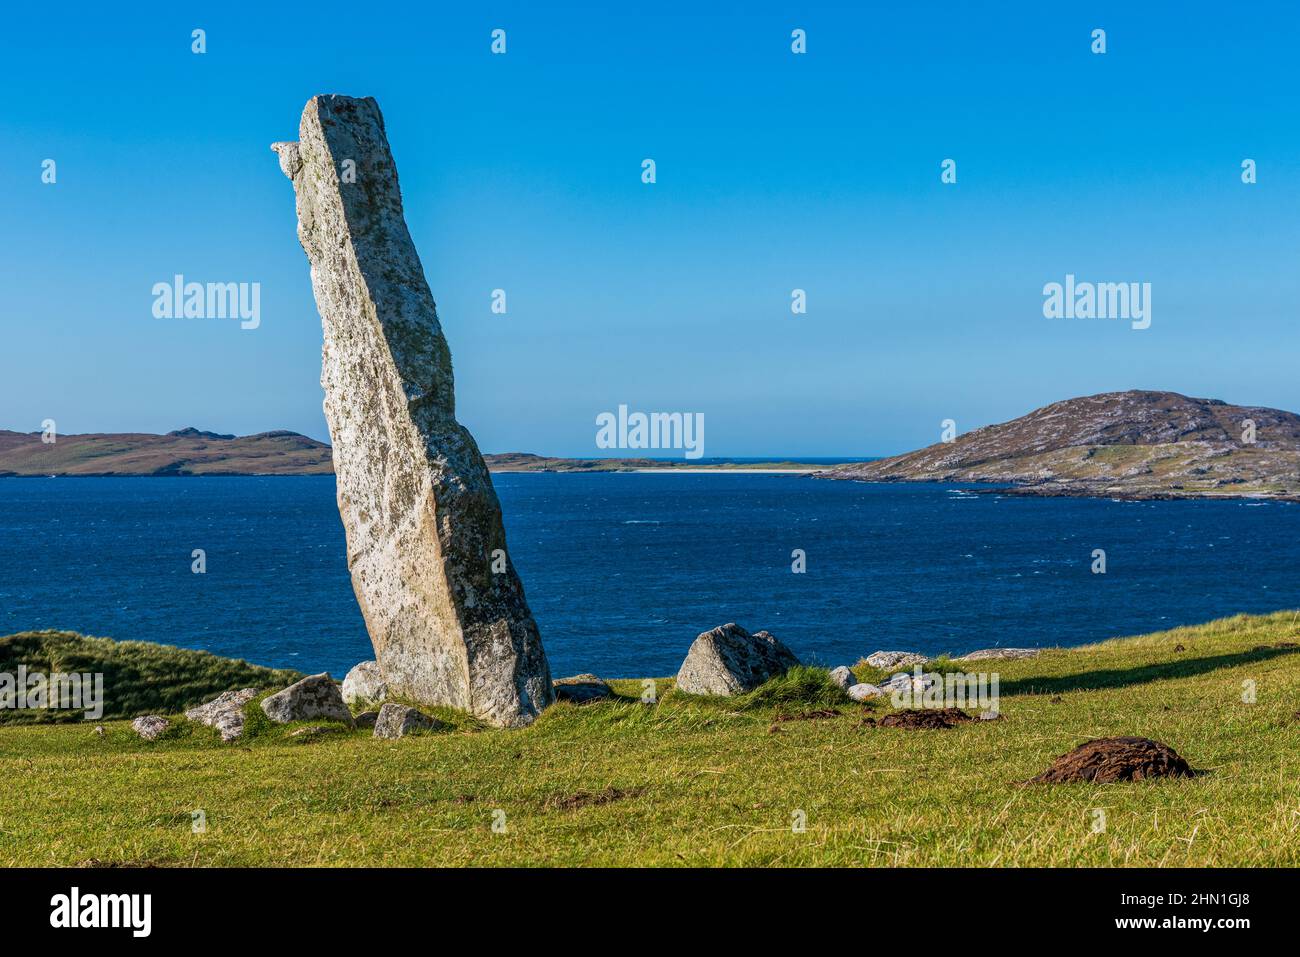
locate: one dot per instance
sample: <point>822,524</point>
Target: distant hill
<point>191,451</point>
<point>1131,444</point>
<point>183,452</point>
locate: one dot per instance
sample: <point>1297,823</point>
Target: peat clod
<point>925,718</point>
<point>1107,760</point>
<point>815,715</point>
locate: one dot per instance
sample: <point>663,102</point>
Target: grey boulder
<point>148,726</point>
<point>885,660</point>
<point>994,653</point>
<point>729,660</point>
<point>861,692</point>
<point>225,712</point>
<point>581,688</point>
<point>905,682</point>
<point>843,677</point>
<point>365,685</point>
<point>316,696</point>
<point>398,720</point>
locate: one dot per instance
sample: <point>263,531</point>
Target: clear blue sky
<point>775,171</point>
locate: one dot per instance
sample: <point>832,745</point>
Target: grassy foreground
<point>698,782</point>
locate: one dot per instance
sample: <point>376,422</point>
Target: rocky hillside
<point>1131,444</point>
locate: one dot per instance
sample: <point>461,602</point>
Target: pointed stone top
<point>290,160</point>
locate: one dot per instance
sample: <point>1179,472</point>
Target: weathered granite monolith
<point>443,605</point>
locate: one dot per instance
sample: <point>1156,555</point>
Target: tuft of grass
<point>139,677</point>
<point>802,685</point>
<point>945,665</point>
<point>870,675</point>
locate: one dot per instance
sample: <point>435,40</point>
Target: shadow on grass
<point>1123,677</point>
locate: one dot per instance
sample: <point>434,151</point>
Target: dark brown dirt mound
<point>816,715</point>
<point>925,718</point>
<point>1106,760</point>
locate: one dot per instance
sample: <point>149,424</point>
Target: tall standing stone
<point>422,520</point>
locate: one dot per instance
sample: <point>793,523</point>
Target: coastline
<point>976,487</point>
<point>702,470</point>
<point>1075,490</point>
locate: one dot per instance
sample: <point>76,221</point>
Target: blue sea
<point>623,570</point>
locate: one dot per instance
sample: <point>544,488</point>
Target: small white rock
<point>224,712</point>
<point>861,692</point>
<point>843,677</point>
<point>898,682</point>
<point>149,726</point>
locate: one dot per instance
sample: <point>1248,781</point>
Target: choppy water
<point>623,570</point>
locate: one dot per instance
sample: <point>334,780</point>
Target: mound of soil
<point>1106,760</point>
<point>925,718</point>
<point>816,715</point>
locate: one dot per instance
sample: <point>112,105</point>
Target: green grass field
<point>706,782</point>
